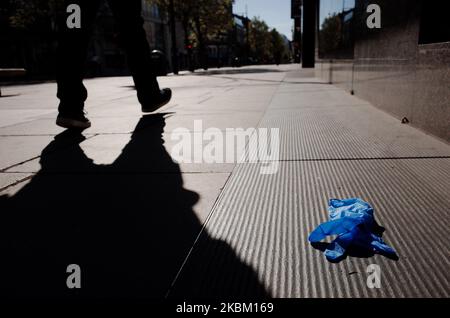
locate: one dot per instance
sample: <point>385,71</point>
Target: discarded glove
<point>352,220</point>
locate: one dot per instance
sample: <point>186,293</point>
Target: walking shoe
<point>78,121</point>
<point>158,101</point>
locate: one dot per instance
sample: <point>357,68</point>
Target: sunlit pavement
<point>141,225</point>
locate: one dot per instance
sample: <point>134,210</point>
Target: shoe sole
<point>72,123</point>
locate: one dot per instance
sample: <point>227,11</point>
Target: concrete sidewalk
<point>140,225</point>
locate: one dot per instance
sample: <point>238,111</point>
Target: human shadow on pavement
<point>128,225</point>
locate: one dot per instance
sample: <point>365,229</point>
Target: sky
<point>329,7</point>
<point>276,13</point>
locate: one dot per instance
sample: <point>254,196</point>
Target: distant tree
<point>260,40</point>
<point>32,14</point>
<point>202,20</point>
<point>212,19</point>
<point>279,48</point>
<point>330,35</point>
<point>184,11</point>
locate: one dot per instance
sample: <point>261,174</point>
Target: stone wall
<point>394,72</point>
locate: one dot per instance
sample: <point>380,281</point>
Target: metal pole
<point>309,33</point>
<point>175,66</point>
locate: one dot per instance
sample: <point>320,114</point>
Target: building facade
<point>33,47</point>
<point>402,68</point>
<point>106,58</point>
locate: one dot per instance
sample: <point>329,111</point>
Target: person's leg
<point>133,38</point>
<point>71,58</point>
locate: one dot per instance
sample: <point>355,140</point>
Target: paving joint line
<point>36,157</point>
<point>355,159</point>
<point>16,183</point>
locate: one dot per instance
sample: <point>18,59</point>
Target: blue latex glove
<point>353,222</point>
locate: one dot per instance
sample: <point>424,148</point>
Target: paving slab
<point>10,117</point>
<point>18,149</point>
<point>266,219</point>
<point>331,133</point>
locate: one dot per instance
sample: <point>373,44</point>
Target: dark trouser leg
<point>133,38</point>
<point>71,56</point>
